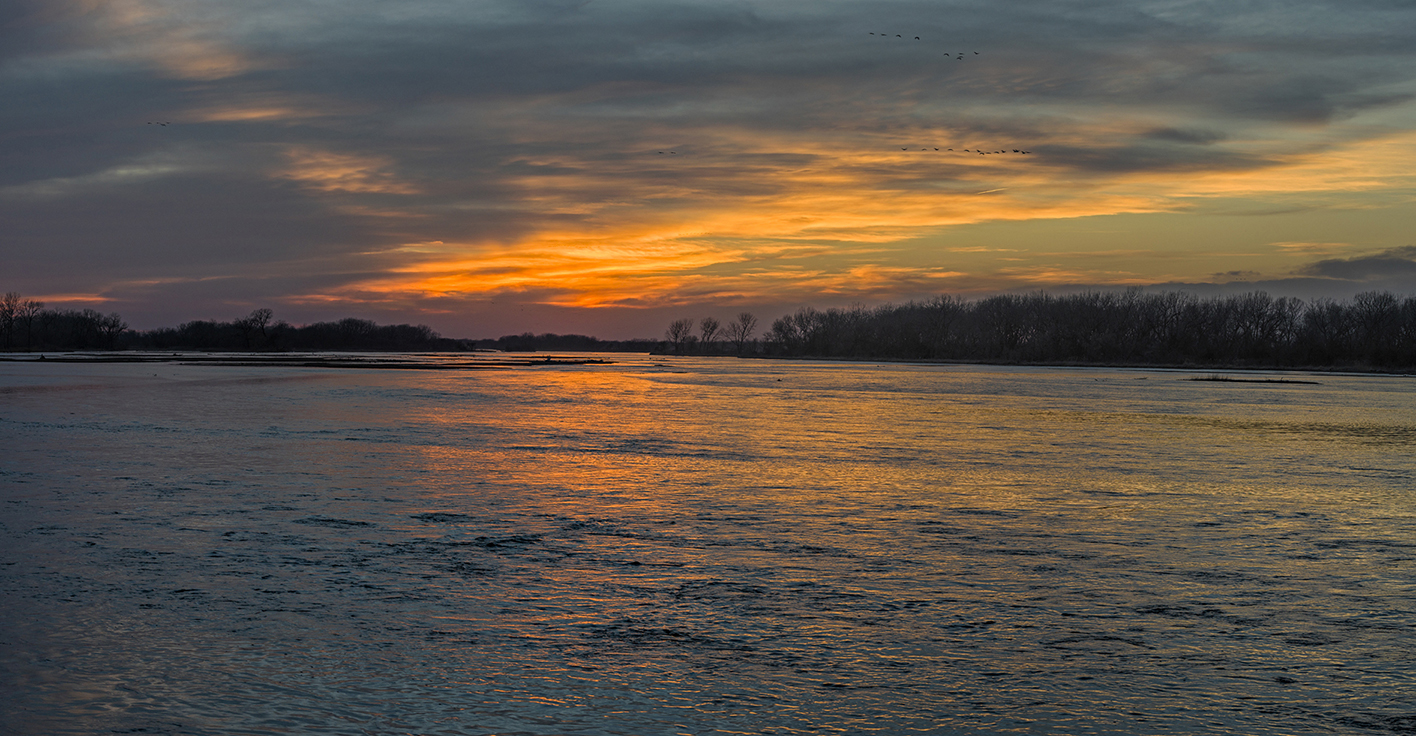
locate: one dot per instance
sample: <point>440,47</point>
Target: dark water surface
<point>697,546</point>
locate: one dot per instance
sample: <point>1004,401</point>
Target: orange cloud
<point>258,112</point>
<point>746,215</point>
<point>1381,162</point>
<point>172,37</point>
<point>338,172</point>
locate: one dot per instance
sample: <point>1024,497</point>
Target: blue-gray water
<point>699,546</point>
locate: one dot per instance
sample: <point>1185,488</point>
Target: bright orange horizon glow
<point>810,232</point>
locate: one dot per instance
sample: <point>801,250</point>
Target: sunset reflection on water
<point>670,545</point>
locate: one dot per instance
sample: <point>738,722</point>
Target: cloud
<point>1392,263</point>
<point>1232,276</point>
<point>334,149</point>
<point>63,186</point>
<point>1303,246</point>
<point>328,171</point>
<point>1193,135</point>
<point>1392,269</point>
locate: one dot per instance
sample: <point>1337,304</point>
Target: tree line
<point>736,336</point>
<point>528,342</point>
<point>1371,330</point>
<point>26,325</point>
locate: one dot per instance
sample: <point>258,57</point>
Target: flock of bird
<point>978,151</point>
<point>166,123</point>
<point>958,55</point>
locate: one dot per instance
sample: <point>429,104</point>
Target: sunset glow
<point>472,168</point>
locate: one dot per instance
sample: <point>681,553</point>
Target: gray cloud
<point>1388,264</point>
<point>491,111</point>
<point>1391,270</point>
<point>1197,136</point>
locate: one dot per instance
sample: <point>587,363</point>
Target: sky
<point>607,166</point>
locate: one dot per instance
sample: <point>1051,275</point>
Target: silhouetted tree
<point>9,311</point>
<point>28,315</point>
<point>679,333</point>
<point>260,318</point>
<point>254,324</point>
<point>740,330</point>
<point>244,326</point>
<point>786,332</point>
<point>550,341</point>
<point>708,329</point>
<point>109,327</point>
<point>1374,329</point>
<point>84,328</point>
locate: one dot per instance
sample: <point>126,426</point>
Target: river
<point>695,546</point>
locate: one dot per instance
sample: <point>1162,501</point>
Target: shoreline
<point>1193,367</point>
<point>503,360</point>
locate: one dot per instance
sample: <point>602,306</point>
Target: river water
<point>703,546</point>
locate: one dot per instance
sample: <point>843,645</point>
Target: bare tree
<point>260,319</point>
<point>785,334</point>
<point>740,330</point>
<point>9,310</point>
<point>709,327</point>
<point>679,333</point>
<point>244,326</point>
<point>28,312</point>
<point>253,323</point>
<point>110,327</point>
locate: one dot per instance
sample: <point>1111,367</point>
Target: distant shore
<point>493,360</point>
<point>1186,367</point>
<point>1374,332</point>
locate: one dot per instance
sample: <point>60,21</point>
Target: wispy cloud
<point>525,139</point>
<point>328,171</point>
<point>1303,246</point>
